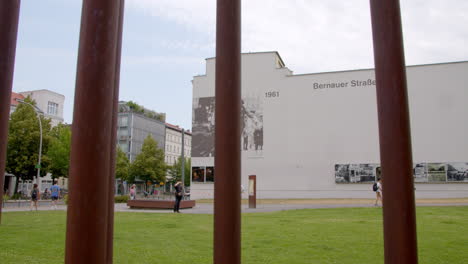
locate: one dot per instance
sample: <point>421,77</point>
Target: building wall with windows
<point>51,103</point>
<point>316,135</point>
<point>133,128</point>
<point>173,149</point>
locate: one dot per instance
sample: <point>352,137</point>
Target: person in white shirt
<point>378,193</point>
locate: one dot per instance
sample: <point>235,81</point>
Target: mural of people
<point>252,126</point>
<point>203,126</point>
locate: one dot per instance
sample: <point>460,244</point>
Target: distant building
<point>13,102</point>
<point>174,143</point>
<point>51,103</point>
<point>135,123</point>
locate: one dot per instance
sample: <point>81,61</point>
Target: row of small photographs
<point>423,172</point>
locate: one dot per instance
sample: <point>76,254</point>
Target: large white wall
<point>306,131</point>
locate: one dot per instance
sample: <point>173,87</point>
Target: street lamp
<point>39,111</point>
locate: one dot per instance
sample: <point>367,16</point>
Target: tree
<point>122,165</point>
<point>149,164</point>
<point>58,154</point>
<point>23,141</point>
<point>175,171</point>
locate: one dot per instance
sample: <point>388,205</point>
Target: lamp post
<point>39,111</point>
<point>182,177</point>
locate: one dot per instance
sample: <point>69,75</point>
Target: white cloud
<point>313,35</point>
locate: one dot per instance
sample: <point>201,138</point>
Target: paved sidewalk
<point>267,205</point>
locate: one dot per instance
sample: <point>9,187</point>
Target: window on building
<point>123,121</point>
<point>124,146</point>
<point>122,132</point>
<point>209,174</point>
<point>198,174</point>
<point>52,108</point>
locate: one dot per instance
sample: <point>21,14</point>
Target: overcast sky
<point>165,43</point>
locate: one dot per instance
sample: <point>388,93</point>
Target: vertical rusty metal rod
<point>394,131</point>
<point>9,16</point>
<point>87,215</point>
<point>227,204</point>
<point>113,138</point>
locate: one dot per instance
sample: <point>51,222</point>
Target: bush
<point>16,196</point>
<point>65,199</point>
<point>6,197</point>
<point>121,198</point>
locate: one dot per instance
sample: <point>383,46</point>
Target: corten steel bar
<point>113,138</point>
<point>9,16</point>
<point>87,221</point>
<point>227,205</point>
<point>394,132</point>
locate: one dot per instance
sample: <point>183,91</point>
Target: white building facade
<point>51,103</point>
<point>173,149</point>
<point>316,135</point>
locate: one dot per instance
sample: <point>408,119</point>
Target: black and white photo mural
<point>436,172</point>
<point>423,172</point>
<point>356,173</point>
<point>457,172</point>
<point>252,126</point>
<point>203,126</point>
<point>420,172</point>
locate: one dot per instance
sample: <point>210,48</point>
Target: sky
<point>166,42</point>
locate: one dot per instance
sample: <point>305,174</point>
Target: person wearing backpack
<point>377,188</point>
<point>35,195</point>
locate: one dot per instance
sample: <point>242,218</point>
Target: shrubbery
<point>121,198</point>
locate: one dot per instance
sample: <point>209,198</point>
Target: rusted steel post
<point>394,131</point>
<point>9,16</point>
<point>227,210</point>
<point>110,217</point>
<point>88,208</point>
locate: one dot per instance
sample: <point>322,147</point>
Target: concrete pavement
<point>206,207</point>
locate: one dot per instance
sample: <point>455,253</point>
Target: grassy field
<point>351,235</point>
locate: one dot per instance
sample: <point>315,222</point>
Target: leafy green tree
<point>175,171</point>
<point>149,165</point>
<point>23,141</point>
<point>122,165</point>
<point>58,154</point>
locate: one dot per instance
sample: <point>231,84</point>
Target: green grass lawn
<point>300,236</point>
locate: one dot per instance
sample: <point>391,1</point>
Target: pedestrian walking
<point>35,195</point>
<point>55,195</point>
<point>45,195</point>
<point>378,192</point>
<point>133,192</point>
<point>178,196</point>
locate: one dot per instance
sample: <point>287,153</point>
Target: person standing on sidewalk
<point>178,196</point>
<point>133,192</point>
<point>35,195</point>
<point>378,192</point>
<point>55,194</point>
